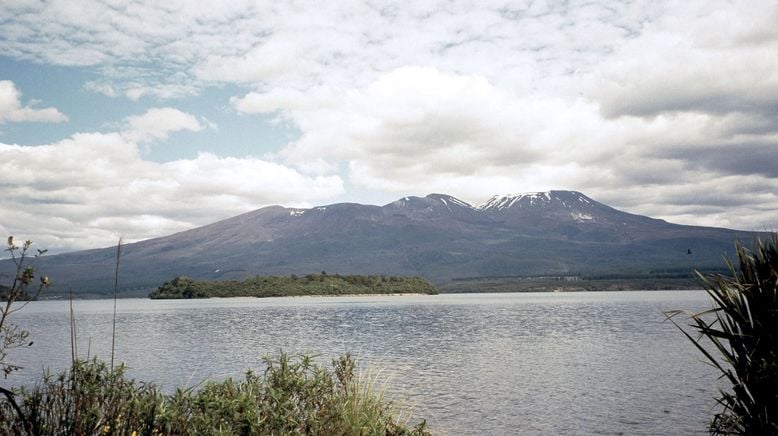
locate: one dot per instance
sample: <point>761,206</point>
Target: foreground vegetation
<point>276,286</point>
<point>23,288</point>
<point>292,396</point>
<point>739,336</point>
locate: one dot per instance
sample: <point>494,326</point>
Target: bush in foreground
<point>292,396</point>
<point>742,328</point>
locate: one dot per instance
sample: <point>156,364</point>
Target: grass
<point>739,336</point>
<point>292,396</point>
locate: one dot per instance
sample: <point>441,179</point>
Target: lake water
<point>529,363</point>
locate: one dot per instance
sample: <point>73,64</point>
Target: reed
<point>739,336</point>
<point>115,291</point>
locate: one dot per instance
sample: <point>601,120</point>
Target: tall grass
<point>292,396</point>
<point>739,336</point>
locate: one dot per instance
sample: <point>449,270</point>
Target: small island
<point>282,286</point>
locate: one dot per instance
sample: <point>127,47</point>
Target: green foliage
<point>22,289</point>
<point>292,396</point>
<point>276,286</point>
<point>742,330</point>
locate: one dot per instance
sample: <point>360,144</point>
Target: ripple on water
<point>599,363</point>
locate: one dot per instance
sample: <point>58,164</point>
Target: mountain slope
<point>438,237</point>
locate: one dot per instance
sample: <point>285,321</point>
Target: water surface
<point>529,363</point>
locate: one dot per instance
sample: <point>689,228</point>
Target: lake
<point>518,363</point>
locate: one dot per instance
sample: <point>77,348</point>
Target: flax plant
<point>739,336</point>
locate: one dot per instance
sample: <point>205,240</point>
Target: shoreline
<point>404,294</point>
<point>399,294</point>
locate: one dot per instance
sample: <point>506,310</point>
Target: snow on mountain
<point>450,201</point>
<point>566,199</point>
<point>431,201</point>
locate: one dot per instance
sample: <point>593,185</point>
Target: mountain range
<point>439,237</point>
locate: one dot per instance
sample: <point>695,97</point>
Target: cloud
<point>722,201</point>
<point>419,130</point>
<point>11,109</point>
<point>414,124</point>
<point>284,100</point>
<point>269,60</point>
<point>713,61</point>
<point>662,108</point>
<point>422,115</point>
<point>683,81</point>
<point>101,87</point>
<point>739,159</point>
<point>139,50</point>
<point>157,123</point>
<point>89,189</point>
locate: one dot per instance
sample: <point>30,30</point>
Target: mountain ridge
<point>438,237</point>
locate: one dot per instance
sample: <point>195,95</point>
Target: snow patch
<point>296,212</point>
<point>534,199</point>
<point>447,206</point>
<point>581,217</point>
<point>459,202</point>
<point>501,202</point>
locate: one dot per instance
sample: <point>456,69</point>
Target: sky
<point>138,119</point>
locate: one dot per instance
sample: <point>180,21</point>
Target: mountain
<point>438,237</point>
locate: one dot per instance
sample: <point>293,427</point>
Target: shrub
<point>21,289</point>
<point>742,329</point>
<point>292,396</point>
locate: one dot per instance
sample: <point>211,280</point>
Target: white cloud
<point>270,60</point>
<point>101,87</point>
<point>283,100</point>
<point>158,123</point>
<point>87,190</point>
<point>140,50</point>
<point>647,105</point>
<point>719,62</point>
<point>414,124</point>
<point>417,130</point>
<point>11,108</point>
